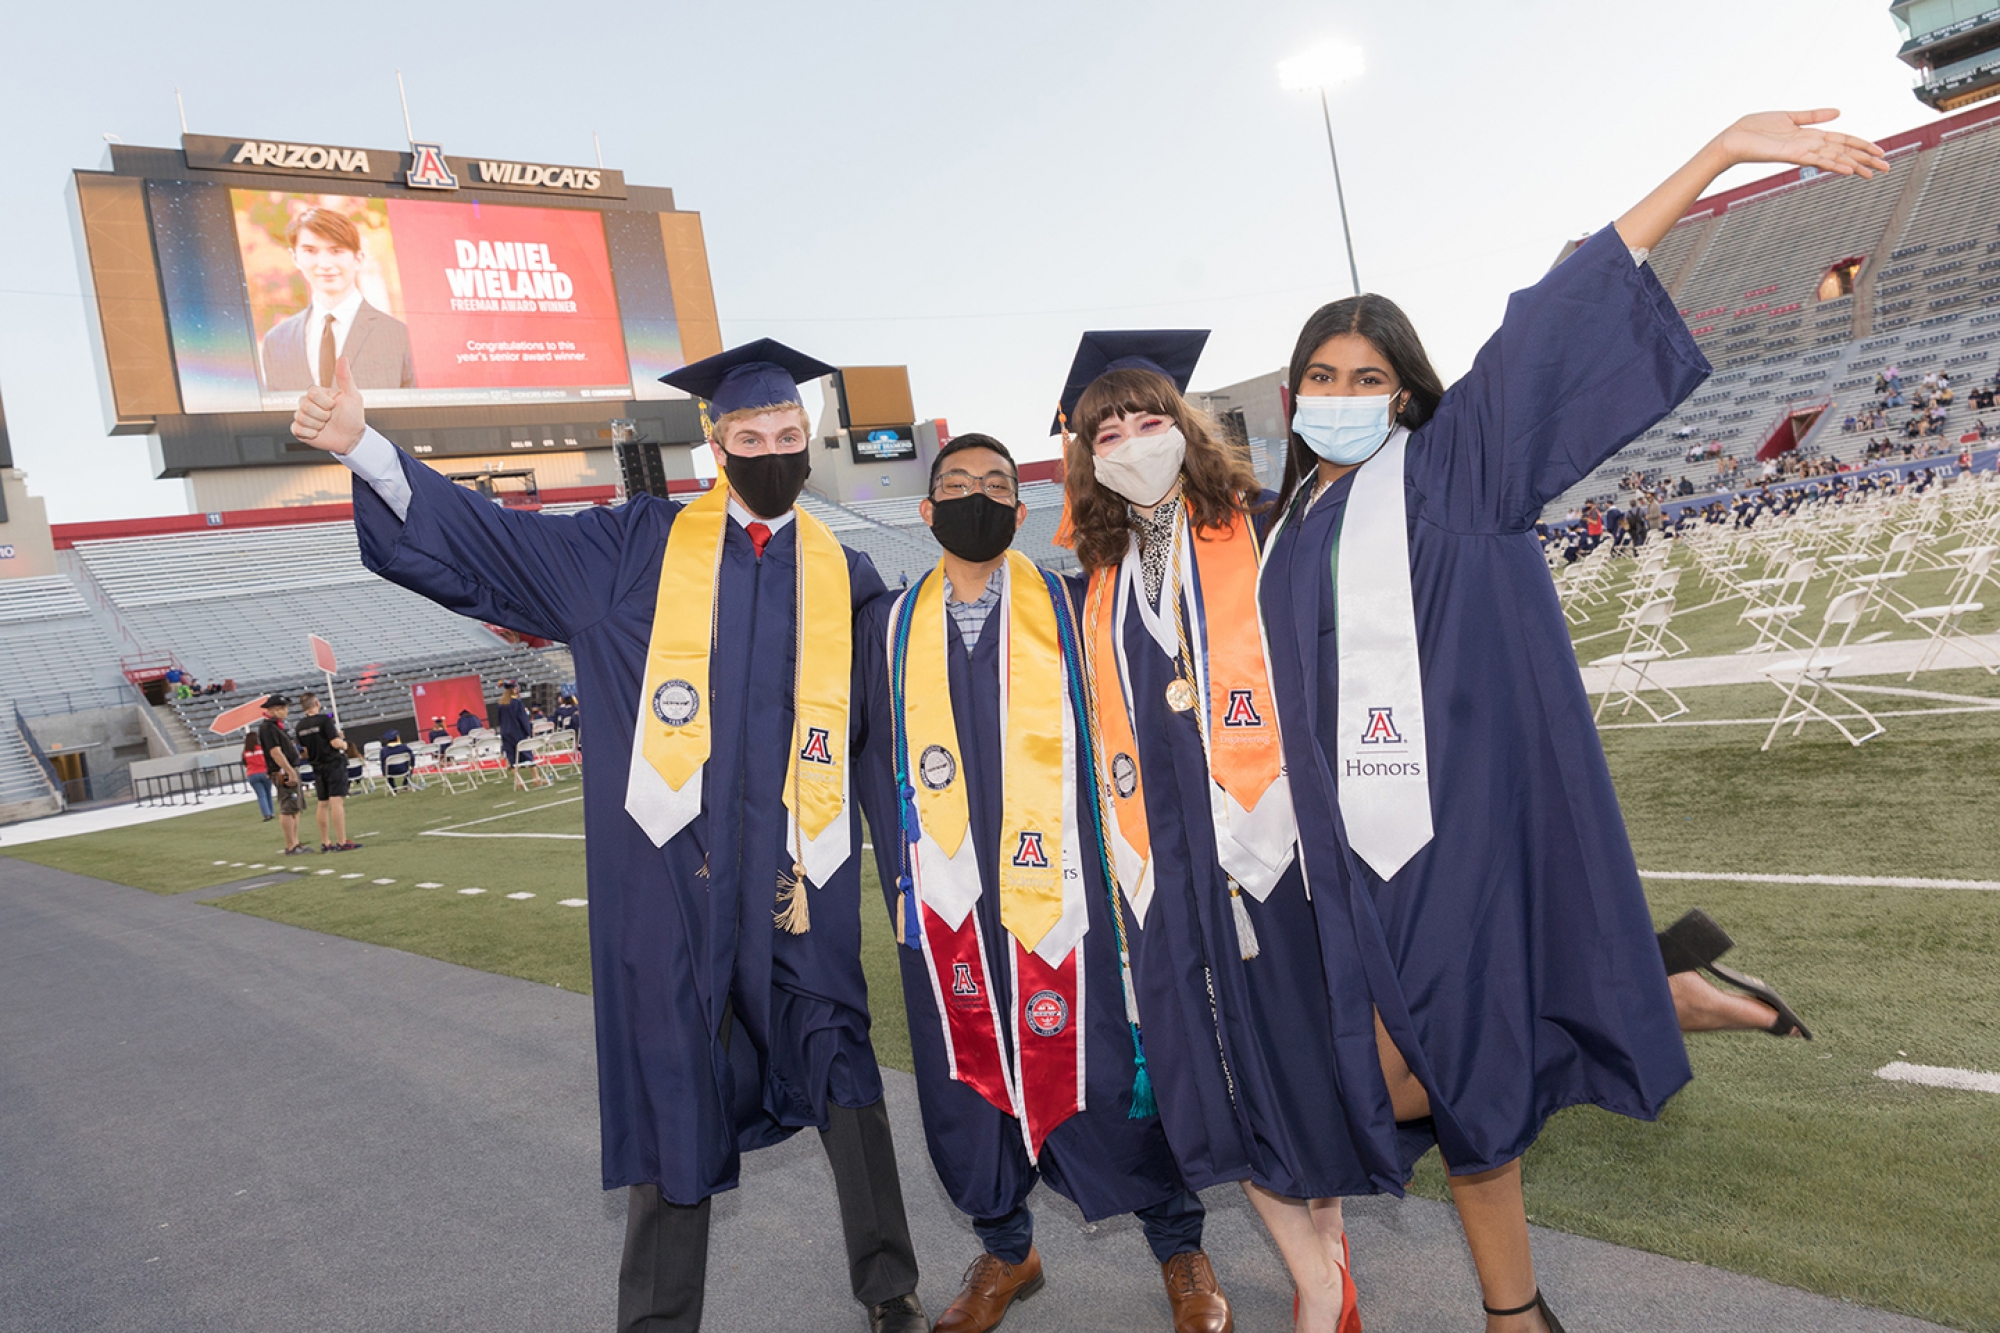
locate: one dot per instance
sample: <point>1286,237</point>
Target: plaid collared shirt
<point>971,617</point>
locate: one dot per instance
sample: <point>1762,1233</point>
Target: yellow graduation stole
<point>1031,804</point>
<point>675,708</point>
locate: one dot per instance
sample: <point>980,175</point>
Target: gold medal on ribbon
<point>1181,695</point>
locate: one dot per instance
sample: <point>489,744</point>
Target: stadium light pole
<point>1317,70</point>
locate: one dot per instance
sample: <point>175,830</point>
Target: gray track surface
<point>212,1122</point>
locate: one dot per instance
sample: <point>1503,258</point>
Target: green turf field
<point>1788,1160</point>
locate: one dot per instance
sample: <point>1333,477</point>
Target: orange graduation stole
<point>1222,635</point>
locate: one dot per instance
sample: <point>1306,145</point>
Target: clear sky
<point>962,189</point>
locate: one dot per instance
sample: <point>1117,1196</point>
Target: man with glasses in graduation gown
<point>723,853</point>
<point>1028,1055</point>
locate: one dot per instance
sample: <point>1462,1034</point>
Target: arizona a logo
<point>428,170</point>
<point>816,750</point>
<point>961,980</point>
<point>1029,855</point>
<point>1242,712</point>
<point>1381,728</point>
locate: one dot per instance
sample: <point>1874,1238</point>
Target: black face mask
<point>768,484</point>
<point>973,527</point>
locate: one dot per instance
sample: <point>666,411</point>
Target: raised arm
<point>542,575</point>
<point>1769,136</point>
<point>1594,353</point>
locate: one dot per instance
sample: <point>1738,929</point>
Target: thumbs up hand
<point>331,419</point>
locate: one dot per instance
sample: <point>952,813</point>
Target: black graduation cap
<point>1170,353</point>
<point>759,374</point>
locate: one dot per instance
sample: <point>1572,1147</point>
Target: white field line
<point>446,831</point>
<point>555,837</point>
<point>1835,881</point>
<point>1939,1076</point>
<point>1767,721</point>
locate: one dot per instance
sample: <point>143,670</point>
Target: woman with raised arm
<point>1478,907</point>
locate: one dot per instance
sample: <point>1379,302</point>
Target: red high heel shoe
<point>1350,1298</point>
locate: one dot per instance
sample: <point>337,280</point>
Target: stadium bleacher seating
<point>238,604</point>
<point>1748,281</point>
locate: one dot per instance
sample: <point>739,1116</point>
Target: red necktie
<point>760,536</point>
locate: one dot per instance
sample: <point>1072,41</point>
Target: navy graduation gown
<point>716,1032</point>
<point>515,726</point>
<point>1512,959</point>
<point>1100,1158</point>
<point>1241,1051</point>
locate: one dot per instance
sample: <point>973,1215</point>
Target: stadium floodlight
<point>1321,67</point>
<point>1316,70</point>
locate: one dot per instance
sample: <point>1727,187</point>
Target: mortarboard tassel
<point>1246,934</point>
<point>793,916</point>
<point>1143,1105</point>
<point>1065,535</point>
<point>910,930</point>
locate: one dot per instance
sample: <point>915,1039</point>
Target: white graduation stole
<point>1382,768</point>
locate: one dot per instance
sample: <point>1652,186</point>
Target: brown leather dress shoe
<point>1199,1305</point>
<point>991,1288</point>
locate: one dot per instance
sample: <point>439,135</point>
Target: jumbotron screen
<point>265,270</point>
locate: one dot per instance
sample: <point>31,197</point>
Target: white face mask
<point>1144,468</point>
<point>1343,430</point>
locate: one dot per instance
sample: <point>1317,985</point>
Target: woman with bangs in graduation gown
<point>1165,517</point>
<point>1476,898</point>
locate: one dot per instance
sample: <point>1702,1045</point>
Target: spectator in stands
<point>258,772</point>
<point>326,750</point>
<point>467,723</point>
<point>1685,488</point>
<point>397,761</point>
<point>439,733</point>
<point>515,724</point>
<point>281,757</point>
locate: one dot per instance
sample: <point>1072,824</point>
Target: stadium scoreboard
<point>485,306</point>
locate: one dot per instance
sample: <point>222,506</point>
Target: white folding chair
<point>1895,565</point>
<point>486,761</point>
<point>530,769</point>
<point>1645,644</point>
<point>456,768</point>
<point>1774,604</point>
<point>1805,679</point>
<point>1943,622</point>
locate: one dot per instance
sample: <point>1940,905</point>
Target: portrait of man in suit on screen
<point>300,350</point>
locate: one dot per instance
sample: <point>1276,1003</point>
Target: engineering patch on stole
<point>1047,1013</point>
<point>936,767</point>
<point>676,703</point>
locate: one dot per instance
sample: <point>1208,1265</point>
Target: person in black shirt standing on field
<point>326,749</point>
<point>281,760</point>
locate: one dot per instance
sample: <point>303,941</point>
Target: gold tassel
<point>1246,934</point>
<point>793,916</point>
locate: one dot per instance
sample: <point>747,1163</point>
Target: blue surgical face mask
<point>1344,430</point>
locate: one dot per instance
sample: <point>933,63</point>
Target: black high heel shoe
<point>1694,942</point>
<point>1548,1315</point>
